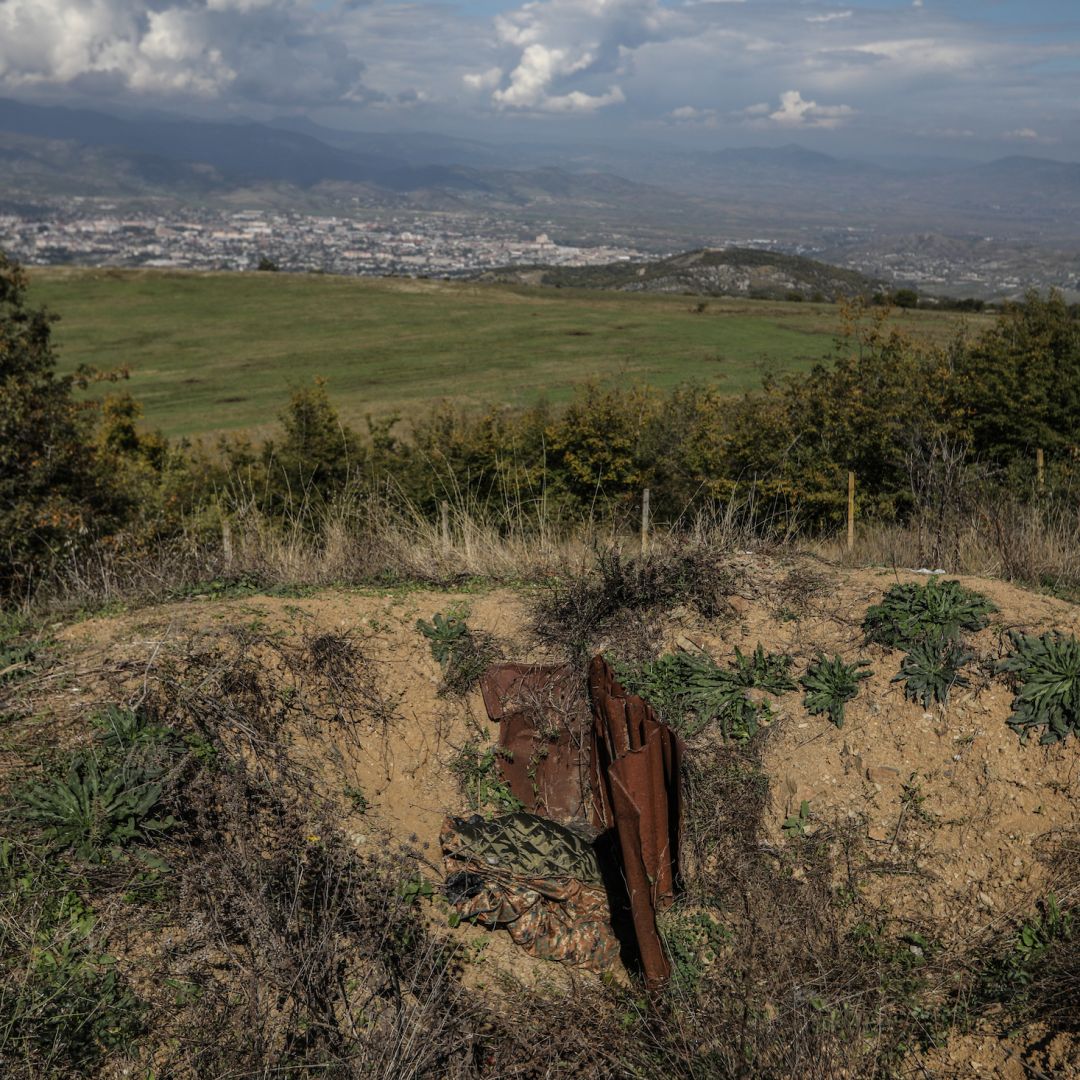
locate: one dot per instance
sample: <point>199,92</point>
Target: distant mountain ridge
<point>705,272</point>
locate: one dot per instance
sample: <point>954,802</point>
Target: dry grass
<point>1020,542</point>
<point>380,539</point>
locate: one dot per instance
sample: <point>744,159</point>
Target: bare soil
<point>955,816</point>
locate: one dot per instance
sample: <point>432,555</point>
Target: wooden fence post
<point>444,515</point>
<point>1040,469</point>
<point>645,522</point>
<point>850,510</point>
<point>226,542</point>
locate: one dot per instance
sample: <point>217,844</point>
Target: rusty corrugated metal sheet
<point>637,791</point>
<point>542,720</point>
<point>626,780</point>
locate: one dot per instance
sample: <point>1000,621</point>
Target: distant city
<point>377,241</point>
<point>403,244</point>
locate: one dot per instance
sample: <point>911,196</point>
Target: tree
<point>318,454</point>
<point>1022,382</point>
<point>53,495</point>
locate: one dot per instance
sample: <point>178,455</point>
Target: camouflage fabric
<point>537,879</point>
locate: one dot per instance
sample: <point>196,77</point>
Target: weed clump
<point>910,614</point>
<point>476,767</point>
<point>574,614</point>
<point>1046,670</point>
<point>691,691</point>
<point>830,684</point>
<point>931,669</point>
<point>463,654</point>
<point>64,1006</point>
<point>95,811</point>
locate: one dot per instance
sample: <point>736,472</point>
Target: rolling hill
<point>729,272</point>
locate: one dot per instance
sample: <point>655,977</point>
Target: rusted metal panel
<point>542,719</point>
<point>637,791</point>
<point>625,778</point>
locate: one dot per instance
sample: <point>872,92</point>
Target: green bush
<point>463,654</point>
<point>63,1004</point>
<point>691,691</point>
<point>931,669</point>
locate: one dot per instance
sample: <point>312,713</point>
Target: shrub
<point>463,654</point>
<point>52,493</point>
<point>829,684</point>
<point>1047,673</point>
<point>63,1004</point>
<point>476,767</point>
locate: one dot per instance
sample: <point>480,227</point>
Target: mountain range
<point>660,195</point>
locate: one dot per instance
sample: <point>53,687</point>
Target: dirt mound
<point>946,818</point>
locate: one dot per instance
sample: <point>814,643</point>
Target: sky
<point>933,77</point>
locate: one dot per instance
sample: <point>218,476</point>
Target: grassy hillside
<point>214,352</point>
<point>709,272</point>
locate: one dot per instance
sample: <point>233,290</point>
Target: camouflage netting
<point>538,879</point>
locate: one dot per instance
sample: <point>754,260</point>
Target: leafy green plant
<point>15,660</point>
<point>690,690</point>
<point>476,767</point>
<point>693,941</point>
<point>1038,935</point>
<point>795,825</point>
<point>829,684</point>
<point>1037,938</point>
<point>763,671</point>
<point>123,730</point>
<point>94,812</point>
<point>357,798</point>
<point>931,669</point>
<point>415,889</point>
<point>63,1004</point>
<point>910,614</point>
<point>462,654</point>
<point>1047,673</point>
<point>445,634</point>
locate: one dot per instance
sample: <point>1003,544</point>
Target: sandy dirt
<point>955,812</point>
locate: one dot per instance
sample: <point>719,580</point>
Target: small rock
<point>986,900</point>
<point>882,774</point>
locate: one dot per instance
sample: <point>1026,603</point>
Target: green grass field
<point>216,352</point>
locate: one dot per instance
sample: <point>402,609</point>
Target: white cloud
<point>483,80</point>
<point>796,111</point>
<point>565,53</point>
<point>253,50</point>
<point>691,116</point>
<point>641,61</point>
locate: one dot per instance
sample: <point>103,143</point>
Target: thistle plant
<point>94,812</point>
<point>691,691</point>
<point>931,669</point>
<point>829,684</point>
<point>445,633</point>
<point>938,611</point>
<point>1046,671</point>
